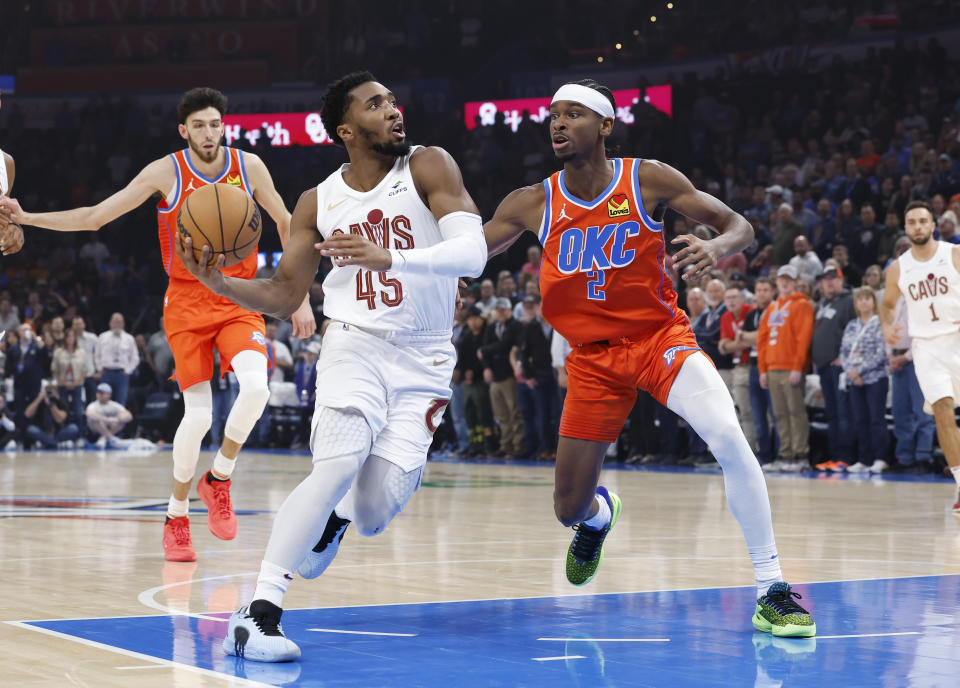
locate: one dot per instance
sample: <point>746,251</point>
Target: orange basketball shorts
<point>603,379</point>
<point>196,320</point>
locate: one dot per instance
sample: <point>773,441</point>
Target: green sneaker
<point>586,550</point>
<point>779,615</point>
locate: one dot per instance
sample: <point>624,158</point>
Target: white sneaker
<point>257,635</point>
<point>858,468</point>
<point>773,467</point>
<point>794,466</point>
<point>11,446</point>
<point>878,466</point>
<point>321,556</point>
<point>101,442</point>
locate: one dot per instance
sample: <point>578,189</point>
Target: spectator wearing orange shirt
<point>783,348</point>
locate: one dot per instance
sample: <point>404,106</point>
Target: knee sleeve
<point>197,419</point>
<point>251,370</point>
<point>380,492</point>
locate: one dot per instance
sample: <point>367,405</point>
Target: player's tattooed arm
<point>519,211</point>
<point>280,295</point>
<point>663,184</point>
<point>157,177</point>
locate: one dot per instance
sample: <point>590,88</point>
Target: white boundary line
<point>609,640</point>
<point>550,659</point>
<point>336,630</point>
<point>868,635</point>
<point>234,680</point>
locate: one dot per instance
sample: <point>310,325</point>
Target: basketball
<point>223,217</point>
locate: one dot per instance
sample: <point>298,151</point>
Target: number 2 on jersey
<point>598,278</point>
<point>366,292</point>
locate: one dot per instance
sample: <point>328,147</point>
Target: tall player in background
<point>11,234</point>
<point>605,290</point>
<point>928,277</point>
<point>387,357</point>
<point>194,319</point>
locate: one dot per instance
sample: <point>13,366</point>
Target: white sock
<point>766,567</point>
<point>272,583</point>
<point>600,519</point>
<point>956,473</point>
<point>178,507</point>
<point>223,466</point>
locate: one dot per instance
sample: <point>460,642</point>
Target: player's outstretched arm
<point>157,177</point>
<point>265,193</point>
<point>462,250</point>
<point>665,184</point>
<point>888,305</point>
<point>520,210</point>
<point>11,234</point>
<point>280,295</point>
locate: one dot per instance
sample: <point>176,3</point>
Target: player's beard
<point>200,153</point>
<point>394,148</point>
<point>391,148</point>
<point>920,241</point>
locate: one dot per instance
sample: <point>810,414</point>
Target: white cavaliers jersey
<point>4,182</point>
<point>931,290</point>
<point>393,216</point>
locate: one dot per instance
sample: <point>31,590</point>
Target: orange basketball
<point>223,217</point>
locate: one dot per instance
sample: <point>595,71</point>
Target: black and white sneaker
<point>321,556</point>
<point>255,634</point>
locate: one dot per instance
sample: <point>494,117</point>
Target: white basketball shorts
<point>400,384</point>
<point>937,363</point>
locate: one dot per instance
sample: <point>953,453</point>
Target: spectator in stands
<point>488,297</point>
<point>88,342</point>
<point>9,320</point>
<point>532,266</point>
<point>947,226</point>
<point>532,362</point>
<point>49,423</point>
<point>27,362</point>
<point>696,303</point>
<point>824,233</point>
<point>760,407</point>
<point>106,418</point>
<point>500,339</point>
<point>70,368</point>
<point>731,326</point>
<point>783,346</point>
<point>852,276</point>
<point>785,232</point>
<point>469,369</point>
<point>283,359</point>
<point>706,328</point>
<point>805,261</point>
<point>117,357</point>
<point>833,312</point>
<point>864,357</point>
<point>867,237</point>
<point>8,429</point>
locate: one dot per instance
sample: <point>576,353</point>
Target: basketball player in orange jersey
<point>195,319</point>
<point>11,234</point>
<point>606,291</point>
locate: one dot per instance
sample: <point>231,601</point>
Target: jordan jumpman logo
<point>563,214</point>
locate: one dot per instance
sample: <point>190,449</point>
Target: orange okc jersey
<point>602,276</point>
<point>189,179</point>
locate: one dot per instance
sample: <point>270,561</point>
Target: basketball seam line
<point>223,239</point>
<point>196,224</point>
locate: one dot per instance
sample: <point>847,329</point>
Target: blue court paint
<point>497,643</point>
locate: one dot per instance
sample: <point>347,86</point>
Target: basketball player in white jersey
<point>401,229</point>
<point>928,276</point>
<point>11,234</point>
<point>195,319</point>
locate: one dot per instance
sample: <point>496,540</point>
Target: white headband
<point>587,96</point>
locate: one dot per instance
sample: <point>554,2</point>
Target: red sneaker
<point>177,545</point>
<point>220,517</point>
